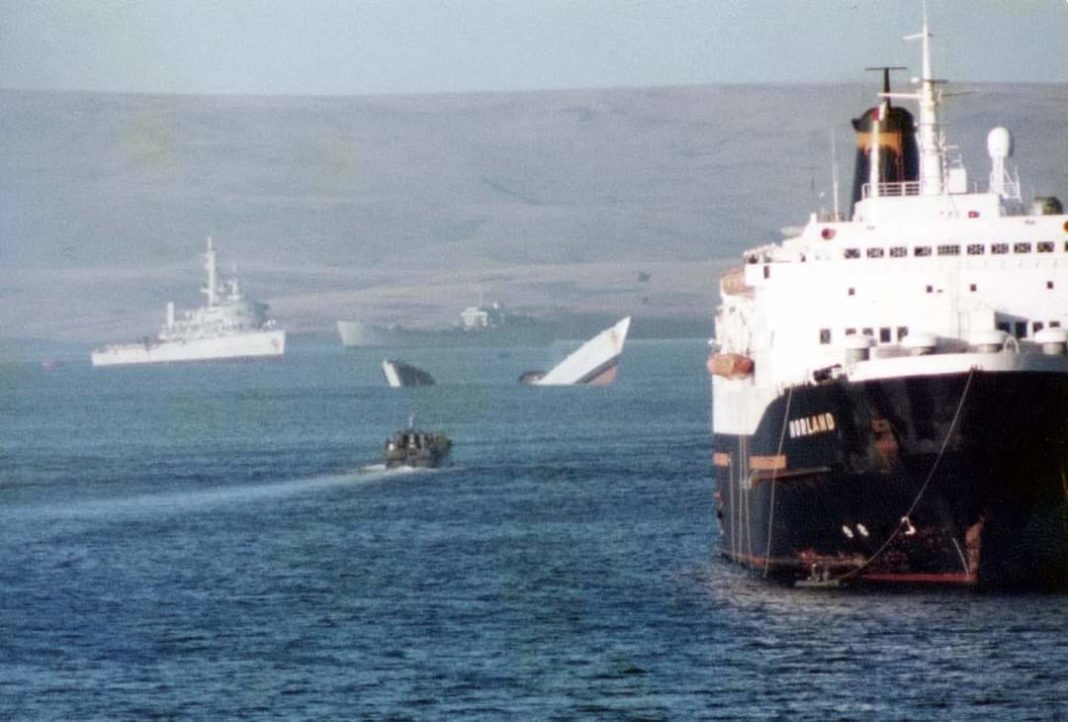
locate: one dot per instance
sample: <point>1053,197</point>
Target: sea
<point>218,542</point>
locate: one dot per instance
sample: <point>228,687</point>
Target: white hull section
<point>254,344</point>
<point>594,362</point>
<point>392,377</point>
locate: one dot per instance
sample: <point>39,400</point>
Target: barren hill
<point>402,208</point>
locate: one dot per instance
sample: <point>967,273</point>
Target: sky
<point>370,47</point>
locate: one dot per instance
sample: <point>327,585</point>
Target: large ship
<point>480,326</point>
<point>890,391</point>
<point>229,326</point>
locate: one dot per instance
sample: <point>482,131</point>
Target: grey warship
<point>480,326</point>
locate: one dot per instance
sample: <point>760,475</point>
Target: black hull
<point>953,480</point>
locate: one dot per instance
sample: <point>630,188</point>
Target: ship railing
<point>1011,189</point>
<point>902,188</point>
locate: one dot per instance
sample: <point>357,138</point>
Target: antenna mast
<point>212,289</point>
<point>834,175</point>
<point>931,152</point>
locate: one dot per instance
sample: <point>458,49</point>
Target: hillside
<point>401,208</point>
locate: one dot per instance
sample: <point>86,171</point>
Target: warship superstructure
<point>890,390</point>
<point>228,326</point>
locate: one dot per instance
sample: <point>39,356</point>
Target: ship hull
<point>356,334</point>
<point>251,345</point>
<point>958,479</point>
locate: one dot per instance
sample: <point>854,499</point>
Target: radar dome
<point>999,143</point>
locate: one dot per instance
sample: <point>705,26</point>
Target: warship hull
<point>245,345</point>
<point>958,479</point>
<point>357,334</point>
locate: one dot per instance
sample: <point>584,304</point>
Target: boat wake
<point>385,473</point>
<point>190,500</point>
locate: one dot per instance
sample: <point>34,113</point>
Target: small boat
<point>415,448</point>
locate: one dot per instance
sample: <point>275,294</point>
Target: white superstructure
<point>930,276</point>
<point>228,326</point>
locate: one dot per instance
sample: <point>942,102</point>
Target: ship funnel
<point>886,144</point>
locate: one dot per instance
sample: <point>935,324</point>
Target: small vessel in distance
<point>228,326</point>
<point>480,326</point>
<point>417,449</point>
<point>400,374</point>
<point>890,389</point>
<point>594,362</point>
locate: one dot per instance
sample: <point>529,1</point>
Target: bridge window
<point>999,248</point>
<point>1044,246</point>
<point>921,251</point>
<point>852,253</point>
<point>1037,326</point>
<point>1019,329</point>
<point>875,252</point>
<point>1021,248</point>
<point>852,291</point>
<point>972,287</point>
<point>949,250</point>
<point>884,334</point>
<point>1049,285</point>
<point>901,251</point>
<point>825,336</point>
<point>851,332</point>
<point>976,249</point>
<point>902,332</point>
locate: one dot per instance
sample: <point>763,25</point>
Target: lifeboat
<point>732,283</point>
<point>730,365</point>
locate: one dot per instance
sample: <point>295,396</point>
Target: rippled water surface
<point>217,542</point>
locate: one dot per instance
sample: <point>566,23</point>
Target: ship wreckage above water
<point>594,363</point>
